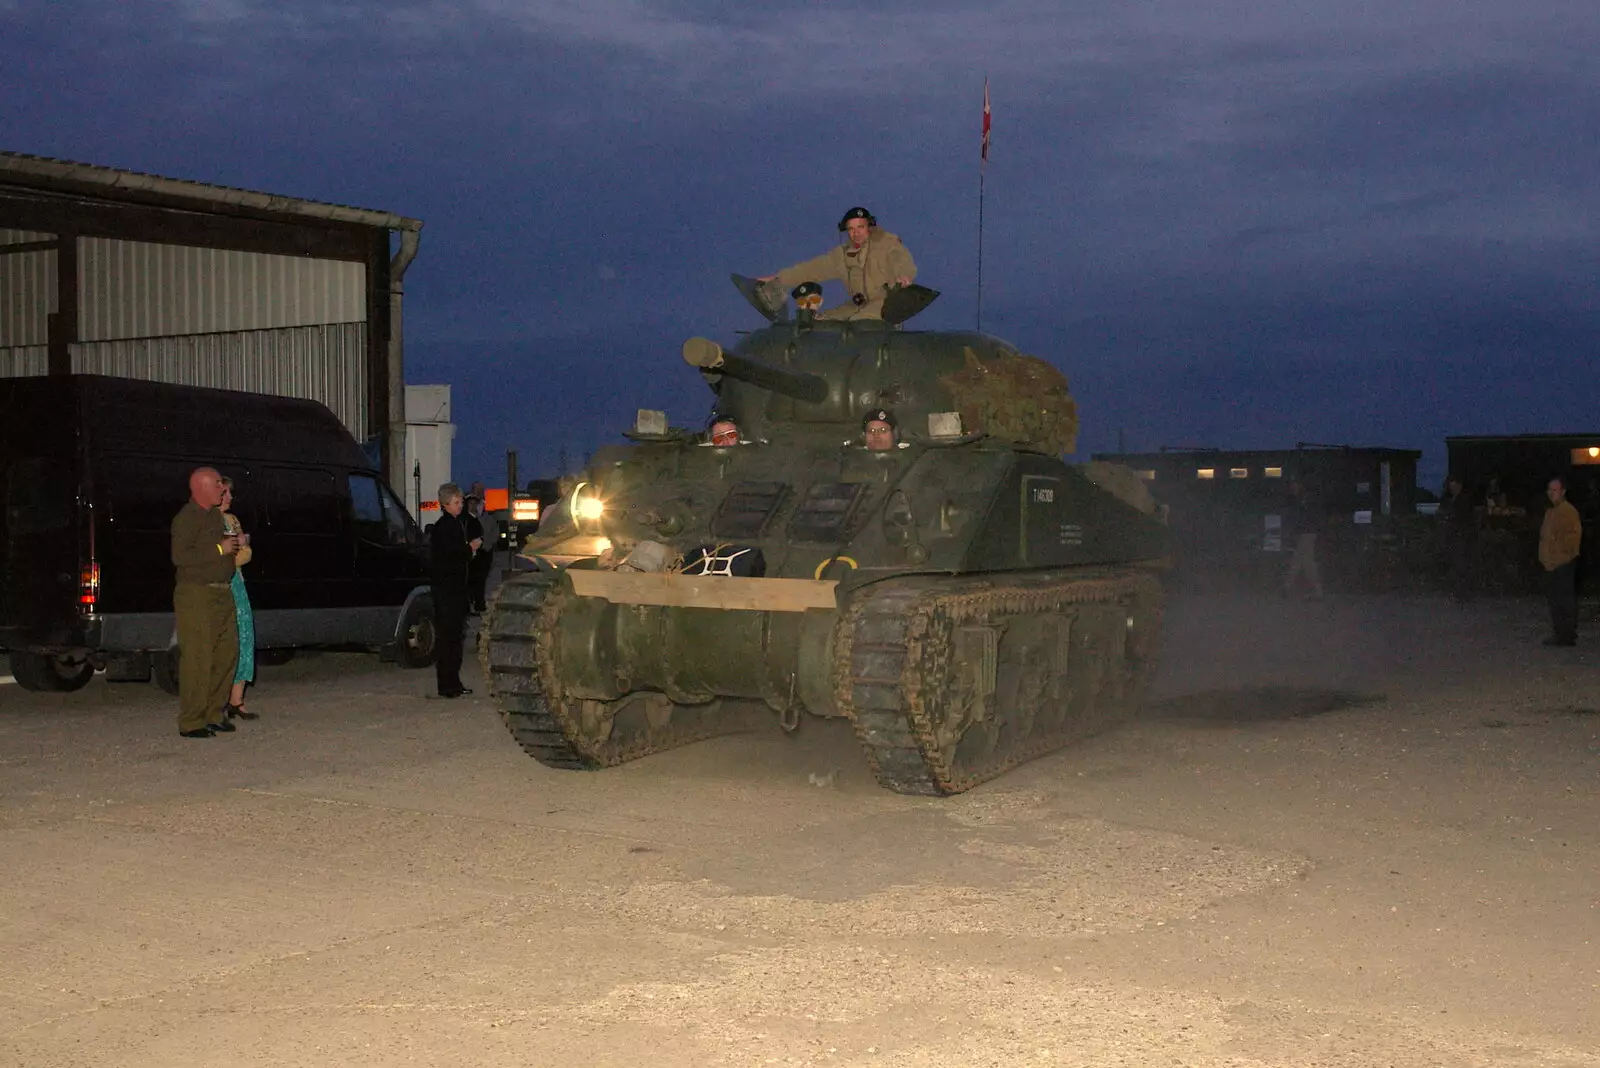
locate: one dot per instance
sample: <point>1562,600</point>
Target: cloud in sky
<point>1394,200</point>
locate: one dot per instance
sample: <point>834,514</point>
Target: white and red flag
<point>986,120</point>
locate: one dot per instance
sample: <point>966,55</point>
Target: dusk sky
<point>1240,224</point>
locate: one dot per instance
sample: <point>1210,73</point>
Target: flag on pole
<point>986,120</point>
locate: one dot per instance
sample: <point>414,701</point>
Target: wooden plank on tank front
<point>705,591</point>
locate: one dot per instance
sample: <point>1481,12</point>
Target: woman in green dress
<point>245,674</point>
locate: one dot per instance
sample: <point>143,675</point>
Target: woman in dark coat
<point>452,559</point>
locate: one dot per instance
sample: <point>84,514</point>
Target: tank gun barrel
<point>707,355</point>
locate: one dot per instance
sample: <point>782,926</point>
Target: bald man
<point>202,600</point>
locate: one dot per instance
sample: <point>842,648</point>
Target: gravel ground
<point>1355,832</point>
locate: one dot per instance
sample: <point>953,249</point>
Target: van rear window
<point>40,495</point>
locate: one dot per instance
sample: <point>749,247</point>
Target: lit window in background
<point>1590,455</point>
<point>1148,475</point>
<point>1238,472</point>
<point>1273,472</point>
<point>1205,472</point>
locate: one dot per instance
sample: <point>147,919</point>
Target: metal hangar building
<point>115,272</point>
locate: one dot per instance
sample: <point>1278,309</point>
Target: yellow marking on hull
<point>817,574</point>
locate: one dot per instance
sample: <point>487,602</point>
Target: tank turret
<point>950,585</point>
<point>819,378</point>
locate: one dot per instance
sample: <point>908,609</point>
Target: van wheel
<point>164,670</point>
<point>49,672</point>
<point>274,657</point>
<point>418,638</point>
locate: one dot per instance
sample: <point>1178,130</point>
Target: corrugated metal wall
<point>24,360</point>
<point>139,289</point>
<point>27,291</point>
<point>286,325</point>
<point>322,363</point>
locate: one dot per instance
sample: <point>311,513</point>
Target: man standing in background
<point>1304,522</point>
<point>452,550</point>
<point>1458,523</point>
<point>202,600</point>
<point>482,560</point>
<point>1560,537</point>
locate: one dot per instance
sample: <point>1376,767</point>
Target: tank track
<point>1063,656</point>
<point>518,660</point>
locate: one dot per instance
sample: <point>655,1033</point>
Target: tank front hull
<point>696,639</point>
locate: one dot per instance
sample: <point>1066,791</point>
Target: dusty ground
<point>1357,833</point>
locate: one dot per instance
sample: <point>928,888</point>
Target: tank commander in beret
<point>868,262</point>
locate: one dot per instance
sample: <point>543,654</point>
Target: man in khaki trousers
<point>208,643</point>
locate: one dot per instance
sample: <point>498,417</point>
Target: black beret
<point>878,415</point>
<point>857,213</point>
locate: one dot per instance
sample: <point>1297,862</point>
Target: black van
<point>93,469</point>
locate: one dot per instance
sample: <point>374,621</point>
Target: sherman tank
<point>966,599</point>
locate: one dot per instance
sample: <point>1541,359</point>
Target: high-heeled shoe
<point>238,711</point>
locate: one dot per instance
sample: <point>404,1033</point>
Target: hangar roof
<point>43,174</point>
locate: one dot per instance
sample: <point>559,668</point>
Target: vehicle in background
<point>526,508</point>
<point>429,434</point>
<point>92,472</point>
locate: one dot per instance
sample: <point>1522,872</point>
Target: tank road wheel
<point>640,723</point>
<point>951,682</point>
<point>519,662</point>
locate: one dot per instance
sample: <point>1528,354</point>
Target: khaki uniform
<point>1560,536</point>
<point>202,600</point>
<point>1560,541</point>
<point>869,270</point>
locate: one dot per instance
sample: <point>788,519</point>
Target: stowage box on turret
<point>966,599</point>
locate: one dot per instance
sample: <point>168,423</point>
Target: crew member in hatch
<point>868,262</point>
<point>879,431</point>
<point>724,431</point>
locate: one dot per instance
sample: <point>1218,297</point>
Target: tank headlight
<point>587,507</point>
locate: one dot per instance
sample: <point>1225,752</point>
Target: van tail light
<point>89,585</point>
